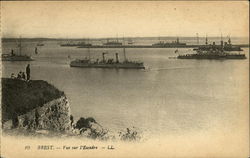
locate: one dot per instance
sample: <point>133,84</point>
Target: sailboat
<point>16,57</point>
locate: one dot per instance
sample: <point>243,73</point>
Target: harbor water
<point>170,97</point>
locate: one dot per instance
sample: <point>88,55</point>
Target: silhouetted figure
<point>36,50</point>
<point>28,72</point>
<point>13,76</point>
<point>19,75</point>
<point>12,52</point>
<point>23,75</point>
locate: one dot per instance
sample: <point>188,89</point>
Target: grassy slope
<point>19,97</point>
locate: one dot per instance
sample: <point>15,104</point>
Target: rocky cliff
<point>34,105</point>
<point>37,107</point>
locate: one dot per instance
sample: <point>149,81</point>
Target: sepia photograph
<point>124,79</point>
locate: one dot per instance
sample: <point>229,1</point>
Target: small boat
<point>16,57</point>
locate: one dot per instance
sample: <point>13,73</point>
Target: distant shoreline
<point>4,39</point>
<point>188,45</point>
<point>150,46</point>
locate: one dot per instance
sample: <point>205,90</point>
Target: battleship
<point>174,44</point>
<point>16,57</point>
<point>112,43</point>
<point>110,63</point>
<point>226,47</point>
<point>212,55</point>
<point>229,47</point>
<point>214,52</point>
<point>78,44</point>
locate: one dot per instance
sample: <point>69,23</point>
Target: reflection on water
<point>171,96</point>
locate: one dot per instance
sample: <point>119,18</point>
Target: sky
<point>97,19</point>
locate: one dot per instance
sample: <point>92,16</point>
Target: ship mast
<point>197,37</point>
<point>229,40</point>
<point>88,49</point>
<point>124,52</point>
<point>20,46</point>
<point>221,40</point>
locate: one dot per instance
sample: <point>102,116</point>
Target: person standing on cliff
<point>28,72</point>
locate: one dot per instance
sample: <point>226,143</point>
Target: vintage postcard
<point>124,79</point>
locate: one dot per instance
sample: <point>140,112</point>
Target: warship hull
<point>16,58</point>
<point>76,45</point>
<point>233,49</point>
<point>109,66</point>
<point>209,56</point>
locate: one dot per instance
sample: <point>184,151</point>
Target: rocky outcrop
<point>52,116</point>
<point>38,108</point>
<point>34,105</point>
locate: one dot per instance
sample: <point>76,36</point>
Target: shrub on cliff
<point>84,123</point>
<point>131,134</point>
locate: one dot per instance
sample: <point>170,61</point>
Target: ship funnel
<point>116,56</point>
<point>206,40</point>
<point>124,53</point>
<point>221,43</point>
<point>229,40</point>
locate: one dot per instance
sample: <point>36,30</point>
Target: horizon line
<point>124,37</point>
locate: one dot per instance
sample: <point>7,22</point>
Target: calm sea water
<point>170,97</point>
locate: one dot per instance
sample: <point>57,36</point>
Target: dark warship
<point>112,43</point>
<point>213,52</point>
<point>79,44</point>
<point>226,47</point>
<point>110,63</point>
<point>174,44</point>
